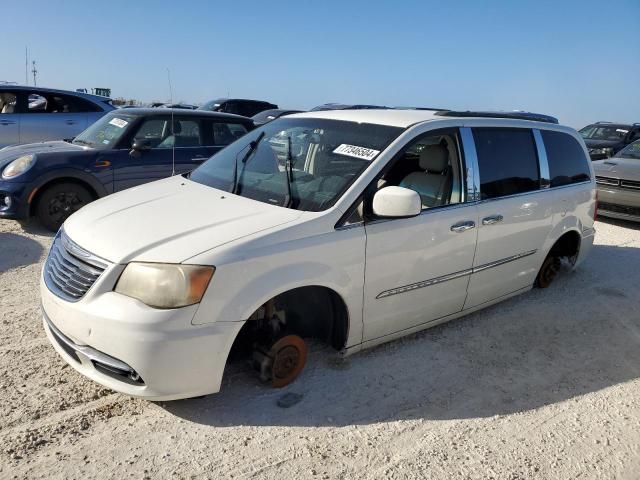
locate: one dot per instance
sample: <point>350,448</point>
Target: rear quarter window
<point>567,161</point>
<point>507,160</point>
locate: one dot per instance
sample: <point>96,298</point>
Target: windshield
<point>105,132</point>
<point>321,158</point>
<point>630,151</point>
<point>608,132</point>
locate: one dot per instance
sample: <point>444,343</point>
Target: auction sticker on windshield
<point>118,122</point>
<point>356,152</point>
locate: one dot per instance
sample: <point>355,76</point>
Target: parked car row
<point>123,149</point>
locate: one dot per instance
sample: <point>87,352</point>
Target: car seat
<point>431,183</point>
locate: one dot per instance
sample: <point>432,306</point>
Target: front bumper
<point>619,203</point>
<point>124,345</point>
<point>18,192</point>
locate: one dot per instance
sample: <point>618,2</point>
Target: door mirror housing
<point>141,144</point>
<point>396,202</point>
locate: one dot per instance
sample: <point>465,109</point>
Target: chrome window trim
<point>471,162</point>
<point>453,276</point>
<point>543,161</point>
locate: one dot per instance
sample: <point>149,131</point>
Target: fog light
<point>7,202</point>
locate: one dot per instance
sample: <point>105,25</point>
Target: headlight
<point>164,285</point>
<point>18,166</point>
<point>602,151</point>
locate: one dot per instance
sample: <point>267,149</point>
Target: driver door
<point>143,166</point>
<point>417,269</point>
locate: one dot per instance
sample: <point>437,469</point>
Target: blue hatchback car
<point>125,148</point>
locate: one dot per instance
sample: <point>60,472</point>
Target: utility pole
<point>35,72</point>
<point>26,66</point>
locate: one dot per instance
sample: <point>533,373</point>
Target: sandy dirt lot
<point>545,385</point>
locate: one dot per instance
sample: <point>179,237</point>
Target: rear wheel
<point>59,201</point>
<point>548,271</point>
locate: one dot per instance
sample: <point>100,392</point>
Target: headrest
<point>434,158</point>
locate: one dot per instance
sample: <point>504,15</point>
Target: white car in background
<point>378,224</point>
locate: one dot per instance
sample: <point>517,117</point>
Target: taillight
<point>595,208</point>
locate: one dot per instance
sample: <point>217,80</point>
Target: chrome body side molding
<point>452,276</point>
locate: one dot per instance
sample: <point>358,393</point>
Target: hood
<point>169,221</point>
<point>601,143</point>
<point>617,167</point>
<point>9,154</point>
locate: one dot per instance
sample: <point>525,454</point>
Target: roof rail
<point>435,109</point>
<point>602,122</point>
<point>517,115</point>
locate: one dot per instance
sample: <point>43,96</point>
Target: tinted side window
<point>226,133</point>
<point>8,102</point>
<point>507,160</point>
<point>57,103</point>
<point>567,161</point>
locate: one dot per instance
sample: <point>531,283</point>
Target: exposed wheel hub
<point>548,271</point>
<point>283,362</point>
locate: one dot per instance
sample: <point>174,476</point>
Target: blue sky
<point>578,60</point>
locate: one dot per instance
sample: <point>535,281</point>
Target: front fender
<point>248,278</point>
<point>74,173</point>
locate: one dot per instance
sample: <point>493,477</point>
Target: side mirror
<point>140,144</point>
<point>396,202</point>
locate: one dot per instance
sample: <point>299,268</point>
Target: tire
<point>57,202</point>
<point>548,271</point>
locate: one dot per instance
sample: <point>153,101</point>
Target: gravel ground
<point>545,385</point>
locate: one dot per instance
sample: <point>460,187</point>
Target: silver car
<point>31,114</point>
<point>618,180</point>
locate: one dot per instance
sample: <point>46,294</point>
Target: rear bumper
<point>18,193</point>
<point>620,203</point>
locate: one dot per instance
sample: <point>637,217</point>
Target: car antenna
<point>173,145</point>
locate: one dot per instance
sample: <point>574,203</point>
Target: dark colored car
<point>605,139</point>
<point>237,106</point>
<point>342,106</point>
<point>125,148</point>
<point>269,115</point>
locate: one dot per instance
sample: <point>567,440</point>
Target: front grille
<point>630,184</point>
<point>610,207</point>
<point>607,180</point>
<point>70,271</point>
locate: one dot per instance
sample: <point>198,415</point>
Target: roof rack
<point>535,117</point>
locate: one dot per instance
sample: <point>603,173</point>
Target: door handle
<point>463,226</point>
<point>198,158</point>
<point>490,220</point>
<point>7,122</point>
<point>70,122</point>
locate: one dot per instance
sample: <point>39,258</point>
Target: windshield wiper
<point>288,173</point>
<point>252,148</point>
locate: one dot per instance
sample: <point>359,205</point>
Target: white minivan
<point>349,227</point>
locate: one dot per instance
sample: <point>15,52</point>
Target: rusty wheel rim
<point>289,357</point>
